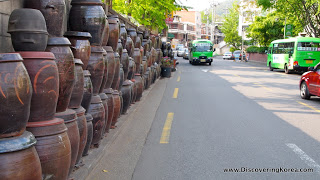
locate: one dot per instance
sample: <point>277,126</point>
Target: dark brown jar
<point>28,30</point>
<point>89,133</point>
<point>83,131</point>
<point>97,111</point>
<point>121,78</point>
<point>105,72</point>
<point>116,71</point>
<point>44,75</point>
<point>134,91</point>
<point>106,34</point>
<point>146,34</point>
<point>131,68</point>
<point>145,46</point>
<point>137,59</point>
<point>96,67</point>
<point>114,32</point>
<point>110,103</point>
<point>104,99</point>
<point>78,89</point>
<point>70,117</point>
<point>125,63</point>
<point>15,95</point>
<point>140,35</point>
<point>133,35</point>
<point>80,45</point>
<point>153,55</point>
<point>120,48</point>
<point>139,85</point>
<point>121,103</point>
<point>138,43</point>
<point>129,46</point>
<point>88,91</point>
<point>19,158</point>
<point>147,78</point>
<point>53,147</point>
<point>149,61</point>
<point>54,12</point>
<point>126,96</point>
<point>117,108</point>
<point>88,16</point>
<point>144,64</point>
<point>123,35</point>
<point>111,66</point>
<point>60,47</point>
<point>159,53</point>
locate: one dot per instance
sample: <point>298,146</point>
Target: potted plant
<point>166,66</point>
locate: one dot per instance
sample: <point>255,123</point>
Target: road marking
<point>178,79</point>
<point>175,93</point>
<point>166,129</point>
<point>303,156</point>
<point>263,86</point>
<point>205,70</point>
<point>236,75</point>
<point>317,110</point>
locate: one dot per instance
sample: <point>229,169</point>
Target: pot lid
<point>96,99</point>
<point>115,92</point>
<point>68,116</point>
<point>17,143</point>
<point>133,80</point>
<point>5,57</point>
<point>132,29</point>
<point>86,2</point>
<point>137,49</point>
<point>78,61</point>
<point>126,83</point>
<point>109,91</point>
<point>89,117</point>
<point>124,51</point>
<point>97,49</point>
<point>116,55</point>
<point>47,128</point>
<point>77,34</point>
<point>86,73</point>
<point>122,25</point>
<point>108,48</point>
<point>52,122</point>
<point>80,111</point>
<point>112,21</point>
<point>103,96</point>
<point>55,41</point>
<point>37,55</point>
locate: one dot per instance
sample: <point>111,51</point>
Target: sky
<point>198,5</point>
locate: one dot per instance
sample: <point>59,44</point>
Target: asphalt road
<point>232,116</point>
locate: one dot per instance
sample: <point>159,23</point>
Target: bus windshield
<point>308,46</point>
<point>202,47</point>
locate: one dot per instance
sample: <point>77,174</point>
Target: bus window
<point>283,48</point>
<point>308,46</point>
<point>269,50</point>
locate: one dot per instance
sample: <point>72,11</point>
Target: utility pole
<point>207,31</point>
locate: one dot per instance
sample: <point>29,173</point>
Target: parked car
<point>237,53</point>
<point>186,54</point>
<point>228,55</point>
<point>178,46</point>
<point>310,83</point>
<point>181,52</point>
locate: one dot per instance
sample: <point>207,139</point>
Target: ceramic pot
<point>153,55</point>
<point>139,85</point>
<point>89,119</point>
<point>53,147</point>
<point>144,64</point>
<point>97,111</point>
<point>125,63</point>
<point>117,108</point>
<point>106,33</point>
<point>146,34</point>
<point>129,46</point>
<point>131,68</point>
<point>54,12</point>
<point>114,32</point>
<point>120,48</point>
<point>137,59</point>
<point>88,16</point>
<point>126,96</point>
<point>28,30</point>
<point>134,91</point>
<point>87,91</point>
<point>80,45</point>
<point>121,103</point>
<point>78,88</point>
<point>44,75</point>
<point>104,99</point>
<point>19,158</point>
<point>123,35</point>
<point>116,71</point>
<point>138,42</point>
<point>83,131</point>
<point>111,66</point>
<point>70,117</point>
<point>145,46</point>
<point>105,73</point>
<point>60,47</point>
<point>96,67</point>
<point>15,95</point>
<point>133,35</point>
<point>110,103</point>
<point>166,72</point>
<point>140,35</point>
<point>121,78</point>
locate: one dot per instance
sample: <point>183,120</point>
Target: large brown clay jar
<point>88,16</point>
<point>145,46</point>
<point>123,35</point>
<point>104,99</point>
<point>19,158</point>
<point>137,59</point>
<point>15,95</point>
<point>131,68</point>
<point>105,72</point>
<point>133,35</point>
<point>110,103</point>
<point>89,133</point>
<point>44,75</point>
<point>83,131</point>
<point>97,111</point>
<point>53,147</point>
<point>80,45</point>
<point>140,35</point>
<point>139,85</point>
<point>126,96</point>
<point>117,108</point>
<point>114,32</point>
<point>78,89</point>
<point>138,43</point>
<point>70,117</point>
<point>60,47</point>
<point>116,71</point>
<point>120,48</point>
<point>111,66</point>
<point>121,78</point>
<point>125,63</point>
<point>54,12</point>
<point>129,46</point>
<point>106,33</point>
<point>96,67</point>
<point>88,90</point>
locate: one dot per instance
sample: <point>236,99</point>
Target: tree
<point>230,26</point>
<point>150,13</point>
<point>305,12</point>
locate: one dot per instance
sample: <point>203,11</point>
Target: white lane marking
<point>204,70</point>
<point>303,156</point>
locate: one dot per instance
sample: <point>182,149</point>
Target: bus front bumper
<point>196,60</point>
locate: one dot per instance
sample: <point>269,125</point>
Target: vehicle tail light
<point>295,63</point>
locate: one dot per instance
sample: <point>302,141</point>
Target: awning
<point>170,35</point>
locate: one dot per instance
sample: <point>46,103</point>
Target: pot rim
<point>10,57</point>
<point>77,34</point>
<point>58,41</point>
<point>37,55</point>
<point>54,121</point>
<point>12,144</point>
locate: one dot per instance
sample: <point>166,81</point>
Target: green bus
<point>294,54</point>
<point>201,51</point>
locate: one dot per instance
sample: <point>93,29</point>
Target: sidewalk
<point>120,150</point>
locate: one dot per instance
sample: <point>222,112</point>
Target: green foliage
<point>230,27</point>
<point>232,49</point>
<point>255,49</point>
<point>150,13</point>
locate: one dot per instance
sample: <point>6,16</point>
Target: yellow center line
<point>166,129</point>
<point>317,110</point>
<point>263,86</point>
<point>237,75</point>
<point>178,79</point>
<point>175,93</point>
